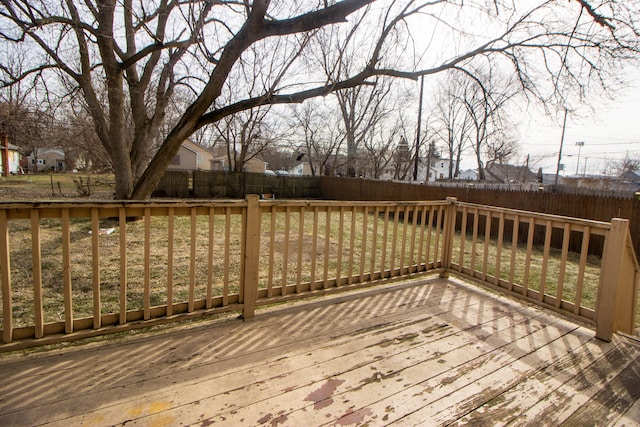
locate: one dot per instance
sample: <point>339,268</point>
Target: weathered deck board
<point>428,352</point>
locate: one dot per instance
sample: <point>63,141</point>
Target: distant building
<point>304,169</point>
<point>468,175</point>
<point>440,169</point>
<point>628,182</point>
<point>253,165</point>
<point>192,156</point>
<point>13,154</point>
<point>47,160</point>
<point>509,174</point>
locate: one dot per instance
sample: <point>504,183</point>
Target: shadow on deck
<point>425,352</point>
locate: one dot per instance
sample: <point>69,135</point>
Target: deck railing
<point>79,269</point>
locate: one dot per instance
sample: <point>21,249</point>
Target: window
<point>176,160</point>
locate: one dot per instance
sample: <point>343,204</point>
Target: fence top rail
<point>343,203</point>
<point>541,216</point>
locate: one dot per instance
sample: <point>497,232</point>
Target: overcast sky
<point>608,134</point>
<point>611,132</point>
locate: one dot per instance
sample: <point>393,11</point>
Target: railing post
<point>612,285</point>
<point>449,228</point>
<point>251,256</point>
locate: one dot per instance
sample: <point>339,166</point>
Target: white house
<point>439,169</point>
<point>468,175</point>
<point>13,155</point>
<point>304,169</point>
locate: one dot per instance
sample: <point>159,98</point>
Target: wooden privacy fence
<point>76,269</point>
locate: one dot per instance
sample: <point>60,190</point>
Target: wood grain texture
<point>423,352</point>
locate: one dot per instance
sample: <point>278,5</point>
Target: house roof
<point>12,147</point>
<point>196,148</point>
<point>510,173</point>
<point>630,176</point>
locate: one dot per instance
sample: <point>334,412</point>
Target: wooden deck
<point>426,352</point>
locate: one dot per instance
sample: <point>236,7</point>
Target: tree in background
<point>452,122</point>
<point>243,136</point>
<point>485,101</point>
<point>126,59</point>
<point>630,163</point>
<point>314,126</point>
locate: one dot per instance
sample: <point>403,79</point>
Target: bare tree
<point>127,58</point>
<point>630,163</point>
<point>379,147</point>
<point>485,99</point>
<point>452,123</point>
<point>244,135</point>
<point>319,133</point>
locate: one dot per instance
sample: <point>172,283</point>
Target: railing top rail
<point>542,216</point>
<point>101,203</point>
<point>632,253</point>
<point>80,209</point>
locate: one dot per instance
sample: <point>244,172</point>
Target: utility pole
<point>564,125</point>
<point>580,144</point>
<point>429,154</point>
<point>5,155</point>
<point>415,166</point>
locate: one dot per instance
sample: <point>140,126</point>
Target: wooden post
<point>447,240</point>
<point>611,278</point>
<point>251,256</point>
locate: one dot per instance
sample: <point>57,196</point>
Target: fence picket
<point>463,234</point>
<point>66,271</point>
<point>122,225</point>
<point>95,256</point>
<point>563,264</point>
<point>170,256</point>
<point>314,247</point>
<point>210,255</point>
<point>545,260</point>
<point>327,241</point>
<point>192,260</point>
<point>5,275</point>
<point>514,250</point>
<point>586,232</point>
<point>527,263</point>
<point>300,245</point>
<point>272,244</point>
<point>499,248</point>
<point>363,244</point>
<point>147,266</point>
<point>383,253</point>
<point>37,273</point>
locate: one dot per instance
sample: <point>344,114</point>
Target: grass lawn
<point>45,186</point>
